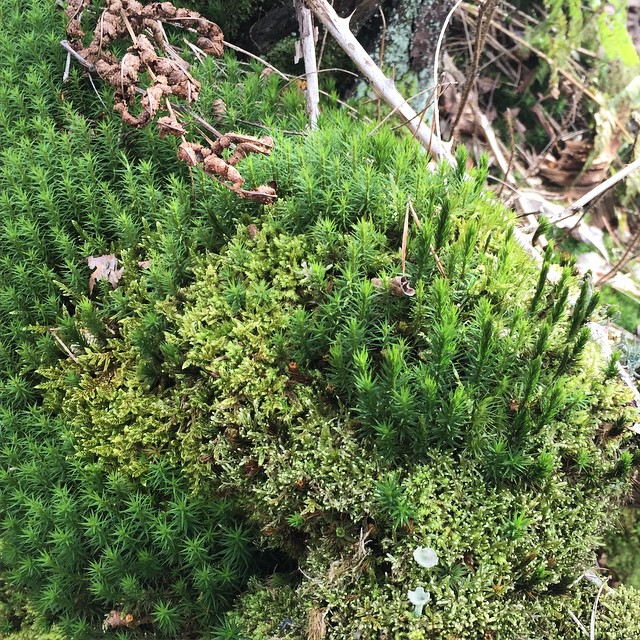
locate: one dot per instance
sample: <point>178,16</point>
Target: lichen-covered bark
<point>413,27</point>
<point>410,36</point>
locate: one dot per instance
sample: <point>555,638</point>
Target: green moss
<point>494,576</point>
<point>335,412</point>
<point>622,549</point>
<point>268,384</point>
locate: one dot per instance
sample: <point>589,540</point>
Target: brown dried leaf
<point>212,47</point>
<point>187,152</point>
<point>219,109</point>
<point>168,125</point>
<point>146,50</point>
<point>263,194</point>
<point>567,168</point>
<point>192,153</point>
<point>125,20</point>
<point>217,166</point>
<point>104,268</point>
<point>130,66</point>
<point>116,620</point>
<point>400,286</point>
<point>263,146</point>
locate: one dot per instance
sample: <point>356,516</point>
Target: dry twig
<point>485,15</point>
<point>432,251</point>
<point>383,86</point>
<point>308,52</point>
<point>436,63</point>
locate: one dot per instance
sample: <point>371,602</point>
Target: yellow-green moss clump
<point>271,431</point>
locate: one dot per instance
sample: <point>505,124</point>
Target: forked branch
<point>383,86</point>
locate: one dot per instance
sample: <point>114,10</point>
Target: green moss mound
<point>353,423</point>
<point>77,534</point>
<point>251,436</point>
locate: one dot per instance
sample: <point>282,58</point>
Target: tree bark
<point>280,21</point>
<point>410,37</point>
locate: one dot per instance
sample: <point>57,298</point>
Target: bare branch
<point>255,57</point>
<point>83,61</point>
<point>604,186</point>
<point>308,46</point>
<point>383,86</point>
<point>436,62</point>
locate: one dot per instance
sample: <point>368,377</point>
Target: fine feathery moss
<point>339,414</point>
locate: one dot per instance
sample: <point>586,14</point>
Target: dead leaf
<point>104,268</point>
<point>219,108</point>
<point>125,22</point>
<point>116,620</point>
<point>170,126</point>
<point>400,286</point>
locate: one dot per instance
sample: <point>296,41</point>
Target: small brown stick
<point>390,114</point>
<point>255,57</point>
<point>185,109</point>
<point>438,263</point>
<point>101,33</point>
<point>323,44</point>
<point>467,36</point>
<point>483,22</point>
<point>432,251</point>
<point>64,347</point>
<point>204,136</point>
<point>69,49</point>
<point>512,143</point>
<point>405,236</point>
<point>383,36</point>
<point>197,51</point>
<point>346,105</point>
<point>414,215</point>
<point>261,126</point>
<point>292,79</point>
<point>169,109</point>
<point>132,35</point>
<point>433,120</point>
<point>327,70</point>
<point>422,114</point>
